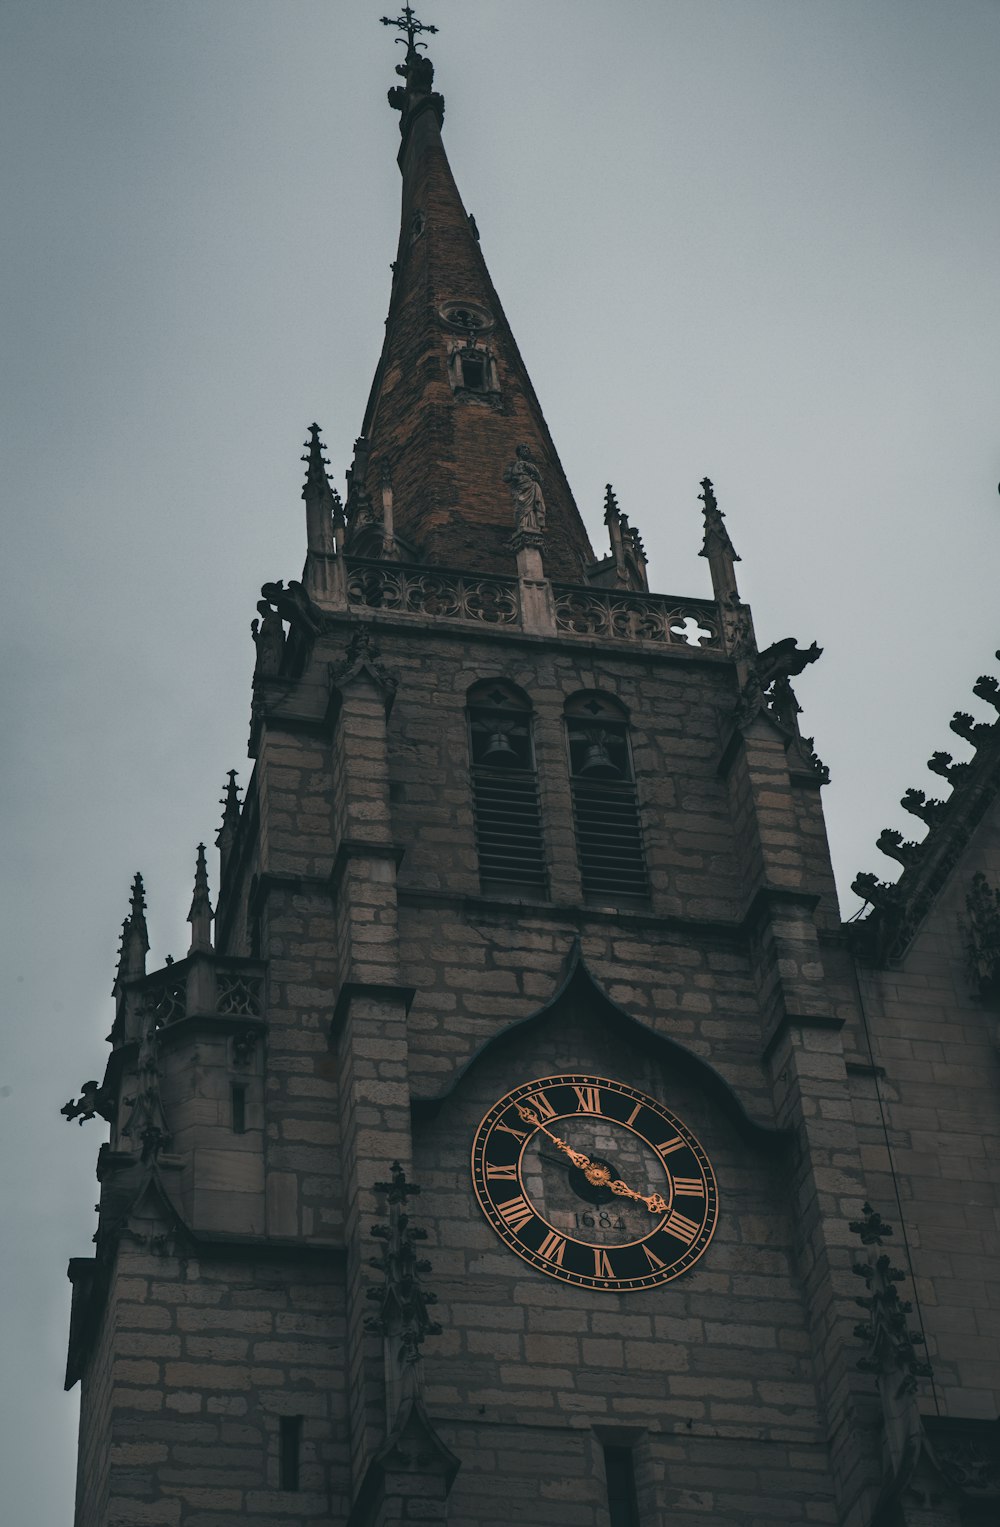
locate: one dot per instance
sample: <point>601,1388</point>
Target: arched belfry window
<point>505,788</point>
<point>605,807</point>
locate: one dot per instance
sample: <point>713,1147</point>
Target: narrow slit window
<point>239,1109</point>
<point>505,789</point>
<point>290,1450</point>
<point>605,805</point>
<point>619,1472</point>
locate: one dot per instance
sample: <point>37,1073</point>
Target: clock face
<point>594,1183</point>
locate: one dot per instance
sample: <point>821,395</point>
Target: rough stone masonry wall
<point>695,1366</point>
<point>93,1457</point>
<point>682,966</point>
<point>711,1375</point>
<point>208,1354</point>
<point>940,1093</point>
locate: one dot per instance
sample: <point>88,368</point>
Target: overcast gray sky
<point>756,239</point>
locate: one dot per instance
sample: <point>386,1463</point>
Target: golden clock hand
<point>600,1176</point>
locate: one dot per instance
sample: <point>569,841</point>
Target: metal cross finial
<point>407,23</point>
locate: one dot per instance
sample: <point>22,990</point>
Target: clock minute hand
<point>600,1176</point>
<point>577,1157</point>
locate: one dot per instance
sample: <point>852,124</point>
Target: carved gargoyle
<point>784,659</point>
<point>294,605</point>
<point>94,1102</point>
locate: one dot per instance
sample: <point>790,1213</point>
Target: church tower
<point>495,1154</point>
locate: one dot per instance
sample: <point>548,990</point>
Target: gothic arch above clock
<point>579,986</point>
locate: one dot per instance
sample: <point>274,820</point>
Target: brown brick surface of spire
<point>451,400</point>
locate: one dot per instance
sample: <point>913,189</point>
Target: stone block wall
<point>392,978</point>
<point>938,1097</point>
<point>206,1355</point>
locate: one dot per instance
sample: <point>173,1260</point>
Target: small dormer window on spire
<point>472,370</point>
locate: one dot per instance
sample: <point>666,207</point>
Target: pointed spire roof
<point>451,400</point>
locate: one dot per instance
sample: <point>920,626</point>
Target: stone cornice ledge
<point>374,991</point>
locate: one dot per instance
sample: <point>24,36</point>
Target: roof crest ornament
<point>412,27</point>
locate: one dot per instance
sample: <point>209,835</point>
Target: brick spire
<point>451,401</point>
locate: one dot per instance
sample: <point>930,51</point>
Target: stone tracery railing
<point>494,600</point>
<point>426,591</point>
<point>636,617</point>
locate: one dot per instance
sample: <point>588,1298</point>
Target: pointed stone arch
<point>578,980</point>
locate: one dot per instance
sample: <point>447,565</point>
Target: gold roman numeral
<point>516,1212</point>
<point>689,1187</point>
<point>504,1173</point>
<point>589,1099</point>
<point>652,1259</point>
<point>667,1147</point>
<point>683,1228</point>
<point>519,1134</point>
<point>602,1263</point>
<point>552,1248</point>
<point>540,1104</point>
<point>634,1114</point>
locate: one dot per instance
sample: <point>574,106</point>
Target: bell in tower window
<point>605,805</point>
<point>505,788</point>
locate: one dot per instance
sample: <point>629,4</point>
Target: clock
<point>594,1183</point>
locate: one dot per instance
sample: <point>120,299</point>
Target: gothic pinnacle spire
<point>717,546</point>
<point>318,496</point>
<point>317,463</point>
<point>200,915</point>
<point>226,835</point>
<point>135,937</point>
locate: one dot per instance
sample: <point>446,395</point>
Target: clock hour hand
<point>600,1176</point>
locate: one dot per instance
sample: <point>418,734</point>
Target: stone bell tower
<point>490,1156</point>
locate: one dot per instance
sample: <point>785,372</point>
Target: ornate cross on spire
<point>408,23</point>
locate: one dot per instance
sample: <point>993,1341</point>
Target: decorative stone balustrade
<point>607,613</point>
<point>232,991</point>
<point>423,591</point>
<point>636,617</point>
